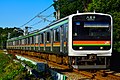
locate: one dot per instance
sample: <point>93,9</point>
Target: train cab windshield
<point>91,30</point>
<point>91,27</point>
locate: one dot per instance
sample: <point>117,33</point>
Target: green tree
<point>68,7</point>
<point>15,32</point>
<point>104,6</point>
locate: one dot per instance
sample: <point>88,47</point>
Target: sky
<point>15,13</point>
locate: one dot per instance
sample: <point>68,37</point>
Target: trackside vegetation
<point>10,70</point>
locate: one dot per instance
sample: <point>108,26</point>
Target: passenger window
<point>25,40</point>
<point>28,40</point>
<point>32,39</point>
<point>48,37</point>
<point>41,38</point>
<point>57,34</point>
<point>36,39</point>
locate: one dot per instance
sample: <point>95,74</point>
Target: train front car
<point>90,45</point>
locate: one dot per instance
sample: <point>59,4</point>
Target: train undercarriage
<point>90,62</point>
<point>84,62</point>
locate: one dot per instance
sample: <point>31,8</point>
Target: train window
<point>41,38</point>
<point>66,30</point>
<point>28,40</point>
<point>57,34</point>
<point>17,42</point>
<point>13,43</point>
<point>48,37</point>
<point>54,34</point>
<point>25,40</point>
<point>32,39</point>
<point>22,41</point>
<point>36,40</point>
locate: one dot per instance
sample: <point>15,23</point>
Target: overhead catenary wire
<point>43,18</point>
<point>36,15</point>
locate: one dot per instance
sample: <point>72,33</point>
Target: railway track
<point>79,74</point>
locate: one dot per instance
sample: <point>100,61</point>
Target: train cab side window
<point>57,34</point>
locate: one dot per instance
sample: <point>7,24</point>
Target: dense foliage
<point>68,7</point>
<point>9,69</point>
<point>14,32</point>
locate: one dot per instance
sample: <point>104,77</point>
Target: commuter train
<point>81,40</point>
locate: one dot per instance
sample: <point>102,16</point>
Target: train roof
<point>35,32</point>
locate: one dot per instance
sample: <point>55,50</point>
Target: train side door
<point>44,36</point>
<point>51,39</point>
<point>61,39</point>
<point>65,37</point>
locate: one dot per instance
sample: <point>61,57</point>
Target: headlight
<point>101,47</point>
<point>80,47</point>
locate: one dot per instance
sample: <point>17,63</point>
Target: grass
<point>9,70</point>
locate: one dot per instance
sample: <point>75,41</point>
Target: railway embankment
<point>13,69</point>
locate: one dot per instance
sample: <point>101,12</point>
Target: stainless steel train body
<point>85,38</point>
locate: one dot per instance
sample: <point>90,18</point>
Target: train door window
<point>57,34</point>
<point>48,40</point>
<point>54,35</point>
<point>66,30</point>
